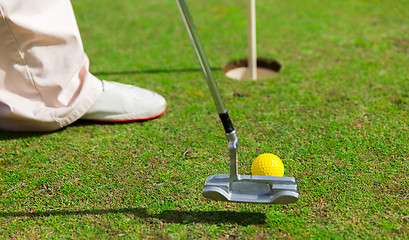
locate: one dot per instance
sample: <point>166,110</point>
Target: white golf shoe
<point>124,103</point>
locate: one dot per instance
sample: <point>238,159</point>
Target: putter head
<point>251,189</point>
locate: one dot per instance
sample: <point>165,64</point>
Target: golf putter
<point>234,187</point>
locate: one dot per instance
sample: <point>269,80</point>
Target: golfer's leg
<point>44,79</point>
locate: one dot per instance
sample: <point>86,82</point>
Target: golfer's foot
<point>124,103</point>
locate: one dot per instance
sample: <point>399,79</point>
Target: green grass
<point>336,114</point>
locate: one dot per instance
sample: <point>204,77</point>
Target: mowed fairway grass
<point>337,114</point>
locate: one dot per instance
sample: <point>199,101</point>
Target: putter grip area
<point>227,124</point>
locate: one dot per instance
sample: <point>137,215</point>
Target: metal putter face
<point>251,189</point>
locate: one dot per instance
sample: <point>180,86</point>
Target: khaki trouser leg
<point>44,79</point>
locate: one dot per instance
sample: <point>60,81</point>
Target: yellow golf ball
<point>267,164</point>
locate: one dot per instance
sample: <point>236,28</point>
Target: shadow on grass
<point>151,71</point>
<point>4,135</point>
<point>168,216</point>
<point>20,135</point>
<point>140,212</point>
<point>241,218</point>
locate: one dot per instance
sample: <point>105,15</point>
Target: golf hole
<point>239,70</point>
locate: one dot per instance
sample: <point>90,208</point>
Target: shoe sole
<point>127,120</point>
